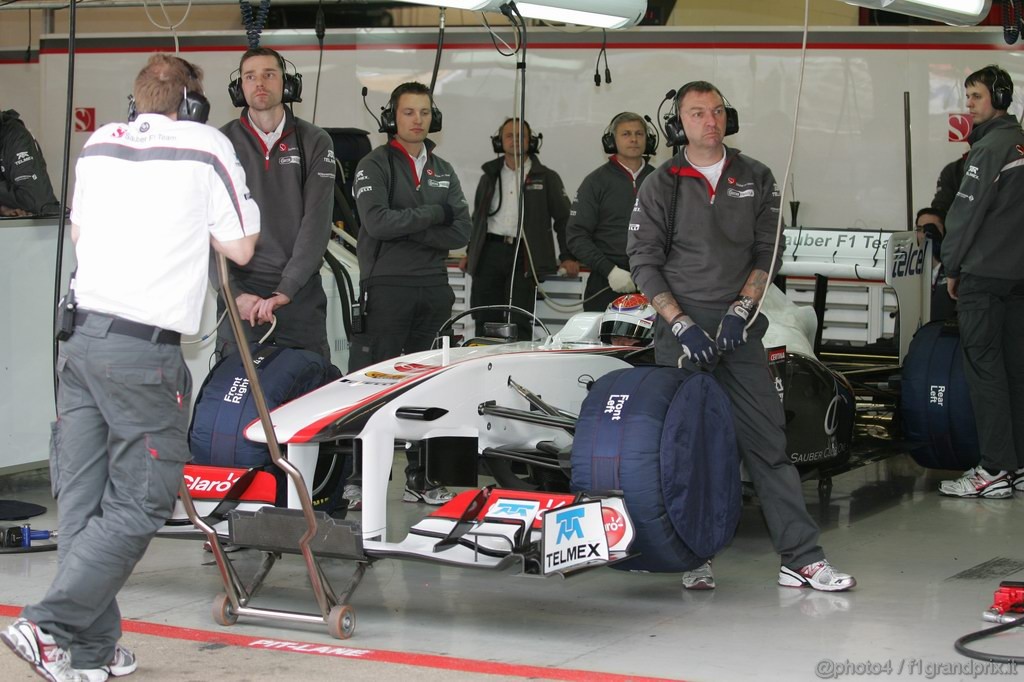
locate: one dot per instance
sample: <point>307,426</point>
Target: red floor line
<point>341,650</point>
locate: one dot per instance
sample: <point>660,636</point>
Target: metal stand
<point>275,531</point>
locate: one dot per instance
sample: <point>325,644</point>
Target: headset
<point>674,133</point>
<point>534,145</point>
<point>608,138</point>
<point>389,123</point>
<point>193,107</point>
<point>1002,95</point>
<point>291,90</point>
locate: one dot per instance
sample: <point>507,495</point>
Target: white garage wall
<point>849,166</point>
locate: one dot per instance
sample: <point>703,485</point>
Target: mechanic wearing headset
<point>119,444</point>
<point>24,185</point>
<point>600,214</point>
<point>492,253</point>
<point>413,213</point>
<point>705,272</point>
<point>984,259</point>
<point>290,166</point>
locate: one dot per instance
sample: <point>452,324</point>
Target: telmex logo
<point>569,524</point>
<point>959,127</point>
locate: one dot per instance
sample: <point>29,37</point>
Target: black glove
<point>697,345</point>
<point>732,330</point>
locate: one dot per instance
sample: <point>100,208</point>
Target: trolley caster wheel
<point>341,621</point>
<point>222,613</point>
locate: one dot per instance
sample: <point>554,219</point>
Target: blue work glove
<point>697,345</point>
<point>732,330</point>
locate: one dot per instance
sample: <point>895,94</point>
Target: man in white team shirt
<point>151,198</point>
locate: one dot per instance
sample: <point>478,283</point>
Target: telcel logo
<point>907,262</point>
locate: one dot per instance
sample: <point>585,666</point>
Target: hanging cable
<point>321,31</point>
<point>602,52</point>
<point>170,26</point>
<point>437,53</point>
<point>62,223</point>
<point>789,160</point>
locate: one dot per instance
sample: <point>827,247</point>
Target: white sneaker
<point>976,482</point>
<point>354,495</point>
<point>1018,479</point>
<point>41,651</point>
<point>433,496</point>
<point>699,578</point>
<point>820,575</point>
<point>123,663</point>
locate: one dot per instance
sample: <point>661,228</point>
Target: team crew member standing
<point>983,254</point>
<point>600,215</point>
<point>24,185</point>
<point>491,255</point>
<point>705,272</point>
<point>413,213</point>
<point>290,167</point>
<point>119,445</point>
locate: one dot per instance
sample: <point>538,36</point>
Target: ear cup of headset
<point>732,120</point>
<point>1002,95</point>
<point>235,93</point>
<point>608,142</point>
<point>194,107</point>
<point>435,119</point>
<point>291,91</point>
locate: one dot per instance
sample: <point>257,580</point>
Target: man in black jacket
<point>24,185</point>
<point>290,168</point>
<point>984,259</point>
<point>600,215</point>
<point>502,264</point>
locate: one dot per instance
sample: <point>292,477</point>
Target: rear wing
<point>878,259</point>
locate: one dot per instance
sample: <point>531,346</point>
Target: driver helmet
<point>628,321</point>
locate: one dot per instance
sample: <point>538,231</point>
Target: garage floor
<point>926,566</point>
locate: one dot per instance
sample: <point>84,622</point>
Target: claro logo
<point>198,483</point>
<point>959,127</point>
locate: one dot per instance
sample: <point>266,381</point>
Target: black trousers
<point>300,324</point>
<point>401,320</point>
<point>491,282</point>
<point>598,302</point>
<point>991,315</point>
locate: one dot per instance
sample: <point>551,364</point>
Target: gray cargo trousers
<point>117,455</point>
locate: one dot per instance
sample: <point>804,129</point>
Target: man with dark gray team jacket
<point>600,214</point>
<point>413,213</point>
<point>700,247</point>
<point>289,164</point>
<point>983,254</point>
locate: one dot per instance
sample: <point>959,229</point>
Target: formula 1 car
<point>515,404</point>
